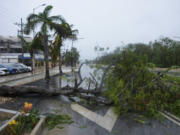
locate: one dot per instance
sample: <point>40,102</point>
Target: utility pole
<point>21,33</point>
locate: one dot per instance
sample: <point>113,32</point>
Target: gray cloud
<point>103,22</point>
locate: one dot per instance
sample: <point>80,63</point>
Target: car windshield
<point>17,65</point>
<point>22,65</point>
<point>8,65</point>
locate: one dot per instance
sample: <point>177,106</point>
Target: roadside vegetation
<point>132,86</point>
<point>71,57</point>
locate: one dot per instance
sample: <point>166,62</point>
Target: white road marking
<point>107,121</point>
<point>169,118</point>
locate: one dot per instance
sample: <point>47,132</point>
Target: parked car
<point>27,67</point>
<point>12,70</point>
<point>19,68</point>
<point>24,67</point>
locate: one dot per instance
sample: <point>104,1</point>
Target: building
<point>11,50</point>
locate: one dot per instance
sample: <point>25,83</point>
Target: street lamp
<point>34,36</point>
<point>38,7</point>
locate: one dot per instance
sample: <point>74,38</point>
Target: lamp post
<point>38,7</point>
<point>33,56</point>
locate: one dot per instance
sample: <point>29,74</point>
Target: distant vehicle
<point>12,70</point>
<point>4,71</point>
<point>24,67</point>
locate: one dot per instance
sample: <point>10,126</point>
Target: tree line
<point>163,52</point>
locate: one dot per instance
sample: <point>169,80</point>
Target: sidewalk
<point>25,78</point>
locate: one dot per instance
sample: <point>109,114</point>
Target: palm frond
<point>31,25</point>
<point>59,28</point>
<point>75,31</point>
<point>32,21</point>
<point>37,43</point>
<point>47,10</point>
<point>32,17</point>
<point>57,18</point>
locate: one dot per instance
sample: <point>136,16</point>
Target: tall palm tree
<point>44,20</point>
<point>63,31</point>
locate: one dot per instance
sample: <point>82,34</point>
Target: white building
<point>11,50</point>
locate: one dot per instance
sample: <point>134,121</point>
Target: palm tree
<point>63,31</point>
<point>44,20</point>
<point>35,44</point>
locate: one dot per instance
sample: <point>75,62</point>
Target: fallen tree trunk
<point>24,90</point>
<point>28,91</point>
<point>88,94</point>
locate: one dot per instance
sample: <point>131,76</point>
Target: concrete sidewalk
<point>25,78</point>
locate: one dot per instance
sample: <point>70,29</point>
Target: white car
<point>27,68</point>
<point>4,71</point>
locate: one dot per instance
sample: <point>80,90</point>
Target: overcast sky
<point>102,22</point>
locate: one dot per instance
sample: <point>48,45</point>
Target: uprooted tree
<point>76,90</point>
<point>133,86</point>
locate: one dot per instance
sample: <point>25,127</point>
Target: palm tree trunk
<point>32,63</point>
<point>46,57</point>
<point>60,61</point>
<point>32,60</point>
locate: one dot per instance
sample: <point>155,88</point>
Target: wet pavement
<point>125,125</point>
<point>8,78</point>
